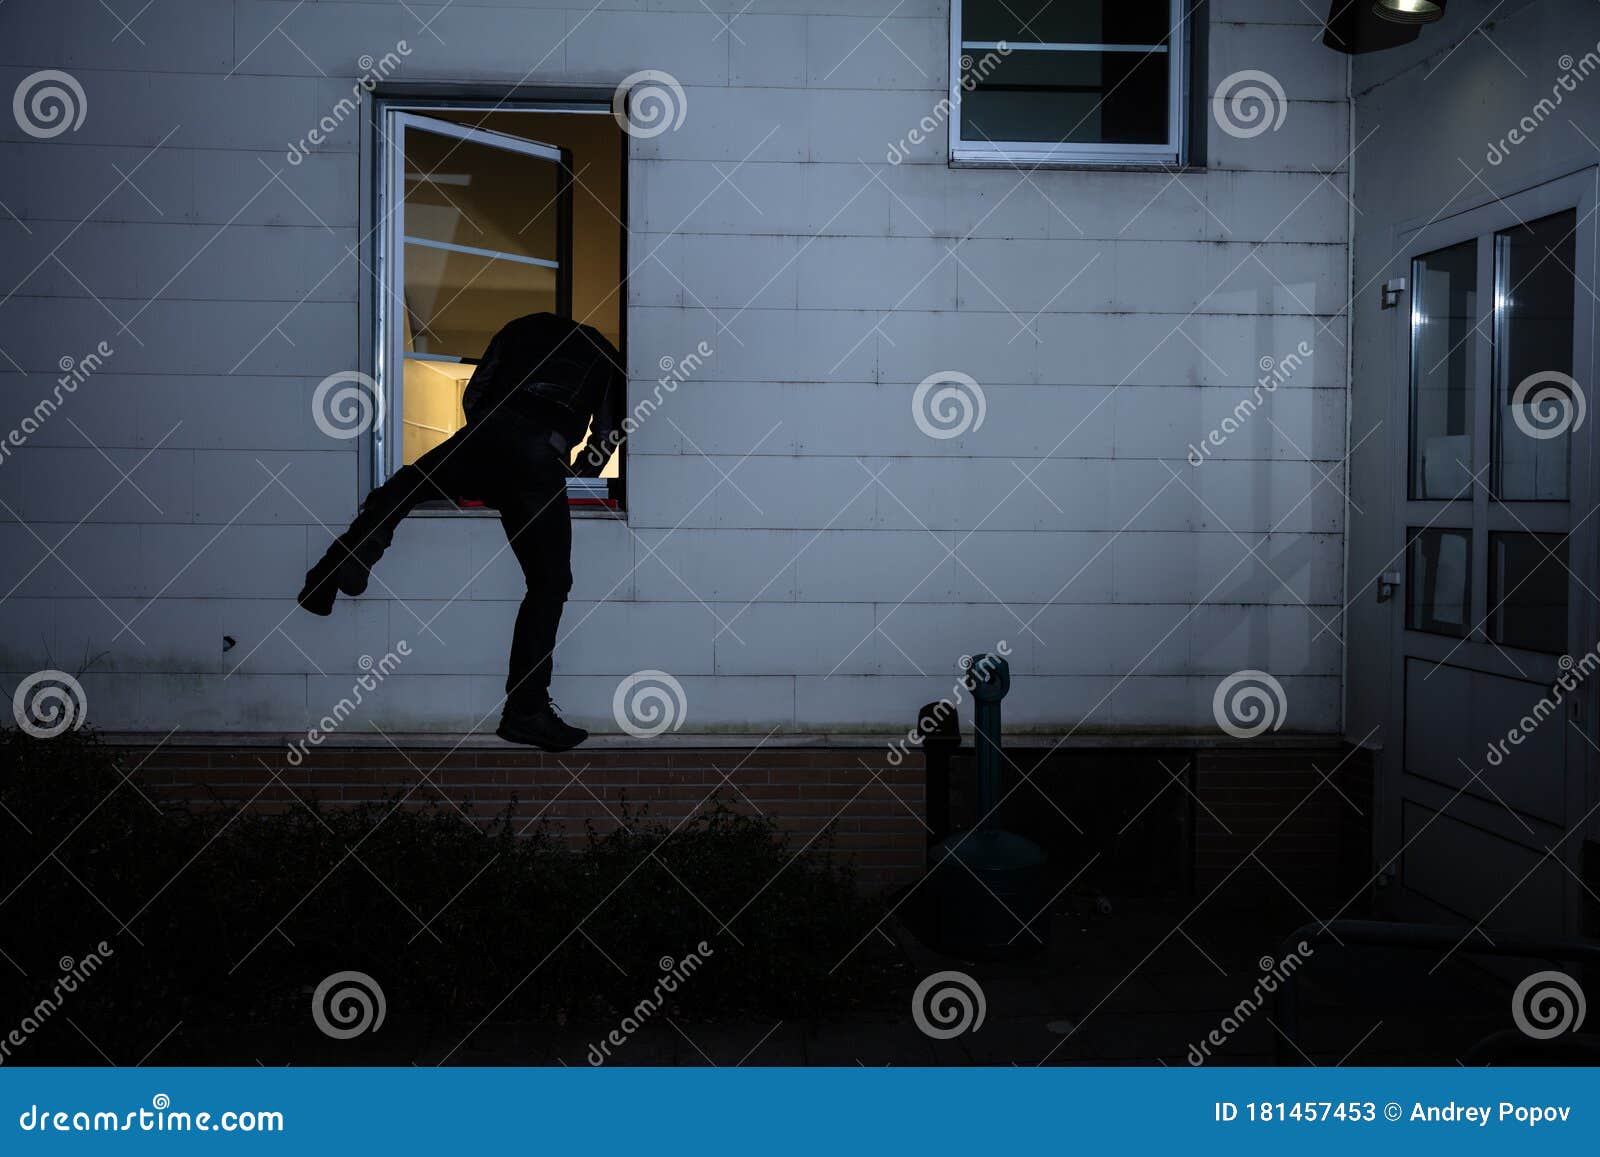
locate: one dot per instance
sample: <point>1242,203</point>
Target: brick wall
<point>876,809</point>
<point>1292,826</point>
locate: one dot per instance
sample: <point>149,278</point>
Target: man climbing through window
<point>542,382</point>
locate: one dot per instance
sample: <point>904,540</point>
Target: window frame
<point>387,437</point>
<point>1174,151</point>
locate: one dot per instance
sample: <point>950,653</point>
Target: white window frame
<point>1163,154</point>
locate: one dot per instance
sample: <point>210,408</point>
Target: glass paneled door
<point>1495,560</point>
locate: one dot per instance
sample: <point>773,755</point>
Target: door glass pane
<point>1534,390</point>
<point>1444,307</point>
<point>465,193</point>
<point>1528,590</point>
<point>1439,581</point>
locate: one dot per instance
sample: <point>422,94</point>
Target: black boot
<point>541,728</point>
<point>339,569</point>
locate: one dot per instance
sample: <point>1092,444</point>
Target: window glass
<point>1083,82</point>
<point>1534,403</point>
<point>1444,303</point>
<point>1071,97</point>
<point>1439,581</point>
<point>1528,590</point>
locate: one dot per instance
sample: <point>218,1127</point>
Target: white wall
<point>798,553</point>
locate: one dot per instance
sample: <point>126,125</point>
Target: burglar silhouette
<point>543,380</point>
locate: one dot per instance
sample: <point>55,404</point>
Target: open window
<point>1094,82</point>
<point>488,213</point>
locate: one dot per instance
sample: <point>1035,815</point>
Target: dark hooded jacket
<point>559,373</point>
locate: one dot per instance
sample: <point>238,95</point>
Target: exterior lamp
<point>1410,11</point>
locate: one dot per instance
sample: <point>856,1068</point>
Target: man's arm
<point>476,399</point>
<point>606,433</point>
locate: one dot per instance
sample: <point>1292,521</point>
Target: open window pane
<point>481,197</point>
<point>1439,581</point>
<point>455,302</point>
<point>1443,371</point>
<point>1528,590</point>
<point>1534,303</point>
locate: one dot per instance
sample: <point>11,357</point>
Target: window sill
<point>1081,166</point>
<point>448,510</point>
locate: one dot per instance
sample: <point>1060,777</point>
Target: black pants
<point>510,463</point>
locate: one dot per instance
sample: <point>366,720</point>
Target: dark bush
<point>227,919</point>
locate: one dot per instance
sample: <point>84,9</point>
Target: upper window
<point>490,213</point>
<point>1081,82</point>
